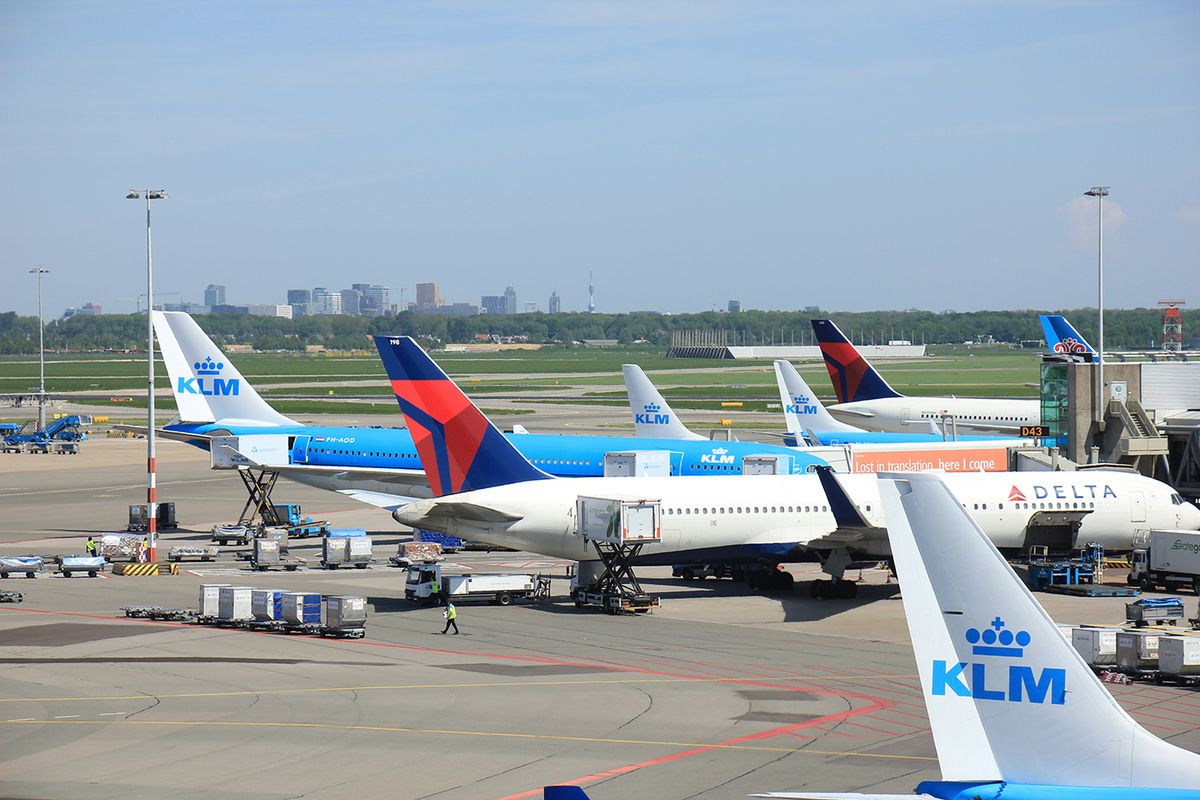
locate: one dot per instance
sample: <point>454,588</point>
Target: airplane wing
<point>390,502</point>
<point>438,514</point>
<point>853,530</point>
<point>201,439</point>
<point>855,412</point>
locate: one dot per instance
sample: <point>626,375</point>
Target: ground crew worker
<point>451,613</point>
<point>434,592</point>
<point>91,547</point>
<point>145,554</point>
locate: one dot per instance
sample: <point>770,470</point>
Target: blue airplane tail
<point>460,449</point>
<point>853,377</point>
<point>564,793</point>
<point>1062,338</point>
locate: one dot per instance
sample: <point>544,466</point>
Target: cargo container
<point>348,550</point>
<point>617,521</point>
<point>1179,655</point>
<point>267,604</point>
<point>301,608</point>
<point>210,598</point>
<point>345,612</point>
<point>1098,646</point>
<point>233,603</point>
<point>1137,651</point>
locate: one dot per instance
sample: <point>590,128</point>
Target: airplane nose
<point>1189,517</point>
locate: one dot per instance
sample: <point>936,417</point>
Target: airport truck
<point>499,588</point>
<point>1170,559</point>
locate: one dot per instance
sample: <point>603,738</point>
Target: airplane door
<point>676,462</point>
<point>906,417</point>
<point>300,450</point>
<point>1137,507</point>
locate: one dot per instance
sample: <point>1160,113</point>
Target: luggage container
<point>301,608</point>
<point>618,522</point>
<point>267,604</point>
<point>29,566</point>
<point>233,603</point>
<point>1098,646</point>
<point>269,554</point>
<point>1066,630</point>
<point>1137,651</point>
<point>351,547</point>
<point>345,613</point>
<point>1179,656</point>
<point>1158,610</point>
<point>210,599</point>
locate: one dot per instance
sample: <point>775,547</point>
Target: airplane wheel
<point>786,582</point>
<point>814,589</point>
<point>687,575</point>
<point>846,590</point>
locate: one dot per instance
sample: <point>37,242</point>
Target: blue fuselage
<point>566,456</point>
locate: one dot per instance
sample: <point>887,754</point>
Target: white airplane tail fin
<point>801,408</point>
<point>1009,698</point>
<point>206,385</point>
<point>652,417</point>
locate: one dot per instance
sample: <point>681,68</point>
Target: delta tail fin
<point>801,408</point>
<point>853,377</point>
<point>460,449</point>
<point>652,417</point>
<point>1062,338</point>
<point>206,385</point>
<point>1009,698</point>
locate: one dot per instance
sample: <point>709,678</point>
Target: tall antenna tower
<point>591,294</point>
<point>1172,322</point>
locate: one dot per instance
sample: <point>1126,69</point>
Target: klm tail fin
<point>853,378</point>
<point>801,408</point>
<point>652,417</point>
<point>459,448</point>
<point>1061,337</point>
<point>206,385</point>
<point>1009,698</point>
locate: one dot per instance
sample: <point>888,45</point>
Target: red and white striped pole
<point>151,495</point>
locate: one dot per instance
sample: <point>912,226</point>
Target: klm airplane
<point>220,411</point>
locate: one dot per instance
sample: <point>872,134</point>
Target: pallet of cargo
<point>29,566</point>
<point>188,552</point>
<point>1091,590</point>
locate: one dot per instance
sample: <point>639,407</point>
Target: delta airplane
<point>866,399</point>
<point>216,401</point>
<point>1014,711</point>
<point>486,491</point>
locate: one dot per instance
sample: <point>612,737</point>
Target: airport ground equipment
<point>289,515</point>
<point>1170,559</point>
<point>11,597</point>
<point>349,547</point>
<point>69,565</point>
<point>1179,659</point>
<point>139,517</point>
<point>238,534</point>
<point>409,553</point>
<point>301,608</point>
<point>501,589</point>
<point>345,617</point>
<point>269,553</point>
<point>210,599</point>
<point>449,544</point>
<point>160,614</point>
<point>618,529</point>
<point>1097,645</point>
<point>9,428</point>
<point>1137,653</point>
<point>191,552</point>
<point>233,604</point>
<point>267,604</point>
<point>121,546</point>
<point>29,566</point>
<point>1157,610</point>
<point>67,428</point>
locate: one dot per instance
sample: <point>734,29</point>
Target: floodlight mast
<point>40,271</point>
<point>1099,192</point>
<point>151,493</point>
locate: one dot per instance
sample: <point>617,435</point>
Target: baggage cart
<point>409,553</point>
<point>188,552</point>
<point>29,566</point>
<point>11,597</point>
<point>345,617</point>
<point>224,534</point>
<point>351,548</point>
<point>92,565</point>
<point>268,554</point>
<point>1158,610</point>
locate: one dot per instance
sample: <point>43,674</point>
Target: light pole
<point>1099,192</point>
<point>40,271</point>
<point>151,500</point>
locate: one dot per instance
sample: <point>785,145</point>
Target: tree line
<point>1137,328</point>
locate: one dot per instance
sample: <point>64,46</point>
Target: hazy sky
<point>848,155</point>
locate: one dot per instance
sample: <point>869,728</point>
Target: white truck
<point>1170,559</point>
<point>500,588</point>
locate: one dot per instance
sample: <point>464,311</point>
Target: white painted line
<point>114,713</point>
<point>69,716</point>
<point>22,719</point>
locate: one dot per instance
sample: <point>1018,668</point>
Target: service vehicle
<point>498,588</point>
<point>1170,559</point>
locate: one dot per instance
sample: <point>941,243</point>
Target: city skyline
<point>886,155</point>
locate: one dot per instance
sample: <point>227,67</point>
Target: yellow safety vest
<point>451,612</point>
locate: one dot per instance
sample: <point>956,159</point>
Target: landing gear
<point>770,580</point>
<point>837,588</point>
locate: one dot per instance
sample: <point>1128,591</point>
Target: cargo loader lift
<point>258,501</point>
<point>617,589</point>
<point>617,529</point>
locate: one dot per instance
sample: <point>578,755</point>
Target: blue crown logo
<point>800,400</point>
<point>209,367</point>
<point>652,408</point>
<point>997,640</point>
<point>720,451</point>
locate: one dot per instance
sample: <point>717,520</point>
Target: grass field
<point>301,384</point>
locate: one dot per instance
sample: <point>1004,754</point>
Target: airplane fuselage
<point>967,415</point>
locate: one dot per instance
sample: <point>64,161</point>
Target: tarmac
<point>718,694</point>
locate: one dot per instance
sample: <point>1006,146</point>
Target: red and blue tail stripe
<point>459,448</point>
<point>853,377</point>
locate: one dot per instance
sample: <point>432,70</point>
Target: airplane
<point>216,401</point>
<point>486,491</point>
<point>1014,710</point>
<point>866,399</point>
<point>1063,339</point>
<point>652,417</point>
<point>808,420</point>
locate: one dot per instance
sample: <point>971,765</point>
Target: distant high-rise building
<point>429,295</point>
<point>214,295</point>
<point>90,310</point>
<point>510,300</point>
<point>531,308</point>
<point>270,310</point>
<point>374,300</point>
<point>735,306</point>
<point>492,303</point>
<point>555,303</point>
<point>326,302</point>
<point>351,302</point>
<point>299,297</point>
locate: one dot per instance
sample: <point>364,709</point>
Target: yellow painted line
<point>395,687</point>
<point>488,734</point>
